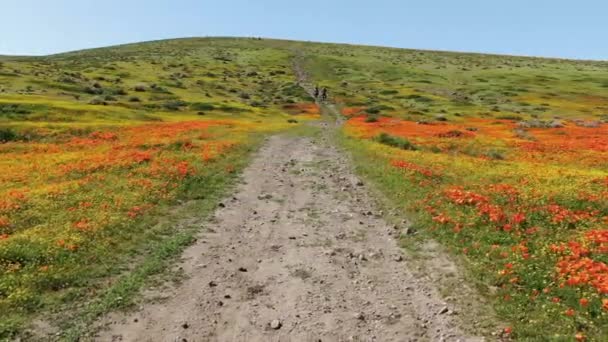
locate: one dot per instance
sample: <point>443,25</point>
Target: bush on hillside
<point>394,141</point>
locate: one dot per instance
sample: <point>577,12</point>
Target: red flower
<point>141,156</point>
<point>82,224</point>
<point>442,218</point>
<point>518,218</point>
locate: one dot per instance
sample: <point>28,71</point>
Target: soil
<point>298,253</point>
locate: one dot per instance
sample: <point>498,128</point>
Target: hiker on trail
<point>324,94</point>
<point>316,93</point>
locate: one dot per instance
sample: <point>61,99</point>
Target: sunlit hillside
<point>104,152</point>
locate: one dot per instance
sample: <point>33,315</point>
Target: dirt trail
<point>298,254</point>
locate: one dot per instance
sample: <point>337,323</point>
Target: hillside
<point>107,152</point>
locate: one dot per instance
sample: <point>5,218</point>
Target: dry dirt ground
<point>299,253</point>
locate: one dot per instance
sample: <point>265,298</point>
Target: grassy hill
<point>503,159</point>
<point>98,145</point>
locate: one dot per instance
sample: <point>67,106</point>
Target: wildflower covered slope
<point>503,159</point>
<point>96,145</point>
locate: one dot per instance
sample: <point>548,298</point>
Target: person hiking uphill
<point>324,94</point>
<point>316,92</point>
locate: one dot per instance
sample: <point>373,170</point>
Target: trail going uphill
<point>298,254</point>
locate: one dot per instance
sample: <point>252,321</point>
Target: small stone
<point>359,183</point>
<point>444,310</point>
<point>409,231</point>
<point>242,269</point>
<point>185,325</point>
<point>360,316</point>
<point>275,324</point>
<point>398,258</point>
<point>265,197</point>
<point>222,205</point>
<point>212,284</point>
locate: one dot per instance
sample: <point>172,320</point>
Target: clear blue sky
<point>558,28</point>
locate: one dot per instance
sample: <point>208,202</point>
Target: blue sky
<point>558,28</point>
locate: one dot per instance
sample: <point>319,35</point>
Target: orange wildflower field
<point>527,207</point>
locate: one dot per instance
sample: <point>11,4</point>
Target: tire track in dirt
<point>298,254</point>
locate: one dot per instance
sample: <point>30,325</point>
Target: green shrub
<point>97,101</point>
<point>389,92</point>
<point>510,117</point>
<point>378,108</point>
<point>174,105</point>
<point>15,108</point>
<point>394,141</point>
<point>93,90</point>
<point>371,118</point>
<point>7,134</point>
<point>201,106</point>
<point>495,154</point>
<point>116,92</point>
<point>419,98</point>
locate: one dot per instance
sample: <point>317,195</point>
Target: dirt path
<point>298,254</point>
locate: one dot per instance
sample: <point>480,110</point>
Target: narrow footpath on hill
<point>298,253</point>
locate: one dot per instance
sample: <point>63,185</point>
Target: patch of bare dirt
<point>298,254</point>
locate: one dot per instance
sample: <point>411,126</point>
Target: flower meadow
<point>500,159</point>
<point>69,206</point>
<point>112,159</point>
<point>527,208</point>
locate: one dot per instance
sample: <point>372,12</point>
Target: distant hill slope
<point>244,74</point>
